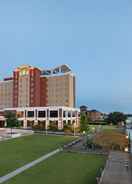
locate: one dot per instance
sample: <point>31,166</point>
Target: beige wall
<point>72,91</point>
<point>23,91</point>
<point>61,90</point>
<point>6,94</point>
<point>58,89</point>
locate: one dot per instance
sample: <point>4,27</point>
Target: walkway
<point>79,147</point>
<point>118,169</point>
<point>28,166</point>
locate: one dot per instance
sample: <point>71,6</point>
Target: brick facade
<point>33,87</point>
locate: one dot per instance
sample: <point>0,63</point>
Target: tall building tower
<point>32,87</point>
<point>26,87</point>
<point>60,82</point>
<point>6,93</point>
<point>43,98</point>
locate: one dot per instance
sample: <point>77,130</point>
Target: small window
<point>69,114</point>
<point>41,114</point>
<point>64,114</point>
<point>53,114</point>
<point>30,114</point>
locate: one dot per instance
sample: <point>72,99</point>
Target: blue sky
<point>93,36</point>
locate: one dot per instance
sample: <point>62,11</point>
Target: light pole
<point>46,128</point>
<point>74,129</point>
<point>128,149</point>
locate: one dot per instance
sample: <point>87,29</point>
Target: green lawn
<point>64,168</point>
<point>17,152</point>
<point>109,128</point>
<point>104,128</point>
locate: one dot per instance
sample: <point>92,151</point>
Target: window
<point>64,114</point>
<point>41,114</point>
<point>53,114</point>
<point>73,114</point>
<point>30,114</point>
<point>69,114</point>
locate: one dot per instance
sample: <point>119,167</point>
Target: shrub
<point>38,127</point>
<point>67,128</point>
<point>111,140</point>
<point>53,126</point>
<point>70,129</point>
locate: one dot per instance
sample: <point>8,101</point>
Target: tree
<point>11,120</point>
<point>116,118</point>
<point>84,122</point>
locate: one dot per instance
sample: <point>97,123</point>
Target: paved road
<point>27,166</point>
<point>117,170</point>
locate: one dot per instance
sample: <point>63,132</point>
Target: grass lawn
<point>109,128</point>
<point>64,168</point>
<point>17,152</point>
<point>104,128</point>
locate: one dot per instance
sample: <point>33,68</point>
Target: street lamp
<point>84,132</point>
<point>126,149</point>
<point>129,142</point>
<point>74,128</point>
<point>93,128</point>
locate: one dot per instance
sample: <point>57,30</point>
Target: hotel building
<point>40,96</point>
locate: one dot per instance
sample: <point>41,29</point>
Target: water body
<point>129,132</point>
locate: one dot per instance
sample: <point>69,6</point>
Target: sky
<point>94,37</point>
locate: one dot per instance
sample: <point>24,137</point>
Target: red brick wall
<point>15,88</point>
<point>34,87</point>
<point>94,116</point>
<point>38,88</point>
<point>43,92</point>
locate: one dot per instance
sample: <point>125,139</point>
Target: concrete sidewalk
<point>28,166</point>
<point>118,169</point>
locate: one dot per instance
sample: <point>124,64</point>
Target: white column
<point>5,124</point>
<point>25,119</point>
<point>25,123</point>
<point>78,121</point>
<point>35,117</point>
<point>71,117</point>
<point>66,117</point>
<point>47,120</point>
<point>60,119</point>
